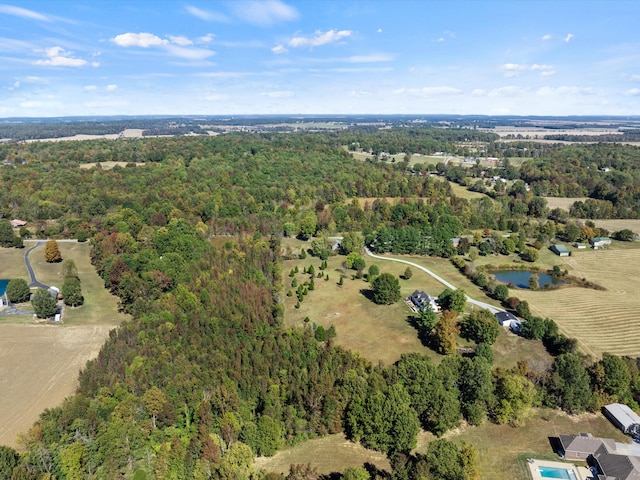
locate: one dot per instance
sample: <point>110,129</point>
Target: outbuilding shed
<point>621,416</point>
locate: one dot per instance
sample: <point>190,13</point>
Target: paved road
<point>488,306</point>
<point>32,275</point>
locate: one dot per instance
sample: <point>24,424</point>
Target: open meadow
<point>39,363</point>
<point>381,333</point>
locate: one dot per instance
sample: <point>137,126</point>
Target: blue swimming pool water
<point>3,286</point>
<point>549,472</point>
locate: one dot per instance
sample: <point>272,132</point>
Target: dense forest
<point>204,377</point>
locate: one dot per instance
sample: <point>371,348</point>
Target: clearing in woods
<point>39,363</point>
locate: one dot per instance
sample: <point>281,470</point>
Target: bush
<point>501,292</point>
<point>18,290</point>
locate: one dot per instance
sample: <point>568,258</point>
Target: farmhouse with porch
<point>421,299</point>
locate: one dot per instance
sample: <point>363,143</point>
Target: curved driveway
<point>32,275</point>
<point>488,306</point>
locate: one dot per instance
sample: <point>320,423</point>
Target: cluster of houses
<point>596,243</point>
<point>608,459</point>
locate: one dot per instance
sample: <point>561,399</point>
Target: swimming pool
<point>550,472</point>
<point>3,286</point>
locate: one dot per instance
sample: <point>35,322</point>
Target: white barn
<point>621,416</point>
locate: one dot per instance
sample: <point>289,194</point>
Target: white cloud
<point>57,57</point>
<point>370,58</point>
<point>264,12</point>
<point>216,97</point>
<point>634,92</point>
<point>440,40</point>
<point>564,91</point>
<point>111,87</point>
<point>478,92</point>
<point>379,30</point>
<point>189,53</point>
<point>512,69</point>
<point>90,88</point>
<point>319,38</point>
<point>280,94</point>
<point>95,64</point>
<point>34,79</point>
<point>207,15</point>
<point>208,38</point>
<point>141,39</point>
<point>508,91</point>
<point>546,37</point>
<point>180,40</point>
<point>23,13</point>
<point>361,93</point>
<point>279,48</point>
<point>428,91</point>
<point>568,37</point>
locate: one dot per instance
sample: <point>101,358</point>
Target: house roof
<point>505,316</point>
<point>620,467</point>
<point>560,248</point>
<point>623,414</point>
<point>600,239</point>
<point>584,443</point>
<point>17,221</point>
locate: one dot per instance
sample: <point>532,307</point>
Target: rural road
<point>488,306</point>
<point>32,275</point>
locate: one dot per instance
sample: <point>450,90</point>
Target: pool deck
<point>581,473</point>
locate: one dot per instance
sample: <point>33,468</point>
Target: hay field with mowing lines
<point>602,321</point>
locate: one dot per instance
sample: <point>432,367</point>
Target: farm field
<point>39,363</point>
<point>563,203</point>
<point>602,321</point>
<point>615,225</point>
<point>107,165</point>
<point>502,458</point>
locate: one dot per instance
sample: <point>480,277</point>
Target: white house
<point>421,299</point>
<point>509,320</point>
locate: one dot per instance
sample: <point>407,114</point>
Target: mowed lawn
<point>100,307</point>
<point>382,333</point>
<point>602,321</point>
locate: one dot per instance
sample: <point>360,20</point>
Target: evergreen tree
<point>18,290</point>
<point>72,292</point>
<point>386,289</point>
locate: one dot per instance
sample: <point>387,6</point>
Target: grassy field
<point>616,225</point>
<point>383,333</point>
<point>464,192</point>
<point>39,364</point>
<point>503,449</point>
<point>563,203</point>
<point>107,165</point>
<point>602,321</point>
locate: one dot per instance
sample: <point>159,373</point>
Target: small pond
<point>520,278</point>
<point>3,286</point>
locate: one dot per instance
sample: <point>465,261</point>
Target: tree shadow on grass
<point>367,293</point>
<point>426,338</point>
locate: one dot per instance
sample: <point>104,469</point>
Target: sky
<point>245,57</point>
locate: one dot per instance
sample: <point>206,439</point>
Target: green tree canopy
<point>44,305</point>
<point>18,290</point>
<point>454,300</point>
<point>480,326</point>
<point>386,289</point>
<point>72,292</point>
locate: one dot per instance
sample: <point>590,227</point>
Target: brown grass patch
<point>563,203</point>
<point>107,165</point>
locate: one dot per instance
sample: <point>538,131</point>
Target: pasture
<point>39,363</point>
<point>602,321</point>
<point>107,165</point>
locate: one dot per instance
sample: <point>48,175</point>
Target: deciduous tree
<point>386,289</point>
<point>18,290</point>
<point>52,252</point>
<point>445,332</point>
<point>44,305</point>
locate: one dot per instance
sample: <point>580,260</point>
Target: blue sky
<point>516,57</point>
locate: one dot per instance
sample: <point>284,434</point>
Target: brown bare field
<point>39,363</point>
<point>563,203</point>
<point>617,225</point>
<point>498,457</point>
<point>39,366</point>
<point>107,165</point>
<point>602,321</point>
